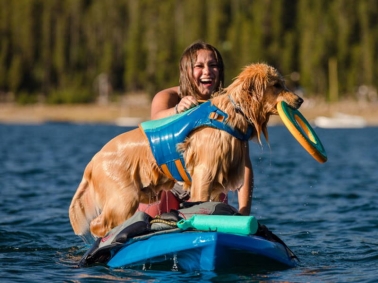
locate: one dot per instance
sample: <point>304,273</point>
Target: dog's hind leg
<point>119,206</point>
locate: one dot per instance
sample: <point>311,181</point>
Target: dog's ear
<point>255,83</point>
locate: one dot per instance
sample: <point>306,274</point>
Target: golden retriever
<point>124,171</point>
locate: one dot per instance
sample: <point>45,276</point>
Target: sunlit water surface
<point>326,213</point>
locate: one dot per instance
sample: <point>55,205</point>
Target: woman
<point>201,76</point>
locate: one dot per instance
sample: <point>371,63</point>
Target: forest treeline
<point>69,51</point>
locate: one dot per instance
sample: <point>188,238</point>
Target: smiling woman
<point>206,73</point>
<point>201,75</point>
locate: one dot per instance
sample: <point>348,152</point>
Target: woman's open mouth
<point>206,82</point>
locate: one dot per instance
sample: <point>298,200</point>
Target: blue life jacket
<point>164,134</point>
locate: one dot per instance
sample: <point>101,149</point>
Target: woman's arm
<point>164,102</point>
<point>246,191</point>
<point>167,103</point>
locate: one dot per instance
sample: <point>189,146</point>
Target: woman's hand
<point>186,103</point>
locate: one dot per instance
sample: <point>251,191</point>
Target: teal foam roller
<point>245,225</point>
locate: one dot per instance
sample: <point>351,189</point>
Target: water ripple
<point>326,213</point>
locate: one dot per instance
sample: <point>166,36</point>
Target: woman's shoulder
<point>171,93</point>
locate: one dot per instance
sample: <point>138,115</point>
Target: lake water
<point>326,213</point>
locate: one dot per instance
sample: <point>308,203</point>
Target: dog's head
<point>258,89</point>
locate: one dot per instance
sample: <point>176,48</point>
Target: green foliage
<point>59,48</point>
<point>15,73</point>
<point>70,96</point>
<point>24,98</point>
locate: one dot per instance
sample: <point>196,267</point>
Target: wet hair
<point>187,61</point>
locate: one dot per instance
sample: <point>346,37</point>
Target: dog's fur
<point>116,179</point>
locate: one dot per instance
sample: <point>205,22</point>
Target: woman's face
<point>206,73</point>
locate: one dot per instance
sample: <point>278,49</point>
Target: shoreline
<point>133,114</point>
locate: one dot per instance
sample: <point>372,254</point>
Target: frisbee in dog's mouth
<point>302,131</point>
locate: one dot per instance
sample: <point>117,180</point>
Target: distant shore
<point>130,114</point>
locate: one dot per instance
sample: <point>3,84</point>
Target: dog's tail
<point>83,208</point>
